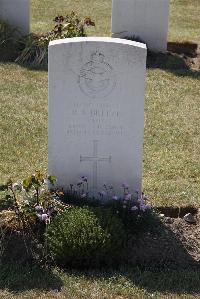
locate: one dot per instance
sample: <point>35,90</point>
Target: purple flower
<point>102,193</point>
<point>39,209</point>
<point>15,186</point>
<point>125,186</point>
<point>148,207</point>
<point>44,217</point>
<point>79,183</point>
<point>84,179</point>
<point>141,201</point>
<point>115,197</point>
<point>143,207</point>
<point>134,208</point>
<point>128,196</point>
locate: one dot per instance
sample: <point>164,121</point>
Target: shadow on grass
<point>182,59</point>
<point>20,266</point>
<point>176,64</point>
<point>179,282</point>
<point>18,278</point>
<point>157,262</point>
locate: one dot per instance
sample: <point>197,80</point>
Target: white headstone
<point>96,111</point>
<point>146,19</point>
<point>16,13</point>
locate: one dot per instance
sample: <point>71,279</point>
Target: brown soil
<point>187,48</point>
<point>180,56</point>
<point>174,244</point>
<point>171,242</point>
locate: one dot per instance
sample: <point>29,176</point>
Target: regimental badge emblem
<point>97,78</point>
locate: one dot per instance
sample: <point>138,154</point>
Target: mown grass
<point>183,25</point>
<point>43,12</point>
<point>33,282</point>
<point>23,115</point>
<point>184,20</point>
<point>172,140</point>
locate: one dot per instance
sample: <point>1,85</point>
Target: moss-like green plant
<point>80,237</point>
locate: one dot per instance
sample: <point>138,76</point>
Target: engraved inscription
<point>95,160</point>
<point>97,78</point>
<point>93,119</point>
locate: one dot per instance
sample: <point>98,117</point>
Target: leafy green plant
<point>35,48</point>
<point>31,199</point>
<point>31,206</point>
<point>79,237</point>
<point>112,224</point>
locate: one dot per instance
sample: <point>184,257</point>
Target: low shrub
<point>112,224</point>
<point>83,238</point>
<point>34,48</point>
<point>52,223</point>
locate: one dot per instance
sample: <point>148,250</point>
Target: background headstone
<point>96,111</point>
<point>146,19</point>
<point>16,13</point>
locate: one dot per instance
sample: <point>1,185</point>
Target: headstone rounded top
<point>96,112</point>
<point>97,39</point>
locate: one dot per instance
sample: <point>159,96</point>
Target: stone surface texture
<point>16,13</point>
<point>96,112</point>
<point>146,19</point>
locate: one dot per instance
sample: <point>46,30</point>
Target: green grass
<point>43,12</point>
<point>23,115</point>
<point>33,282</point>
<point>172,140</point>
<point>184,20</point>
<point>184,16</point>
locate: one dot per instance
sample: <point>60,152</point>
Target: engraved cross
<point>95,159</point>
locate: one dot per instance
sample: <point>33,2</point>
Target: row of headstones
<point>96,107</point>
<point>96,101</point>
<point>143,19</point>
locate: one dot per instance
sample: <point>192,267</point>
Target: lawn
<point>171,174</point>
<point>172,140</point>
<point>184,16</point>
<point>34,283</point>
